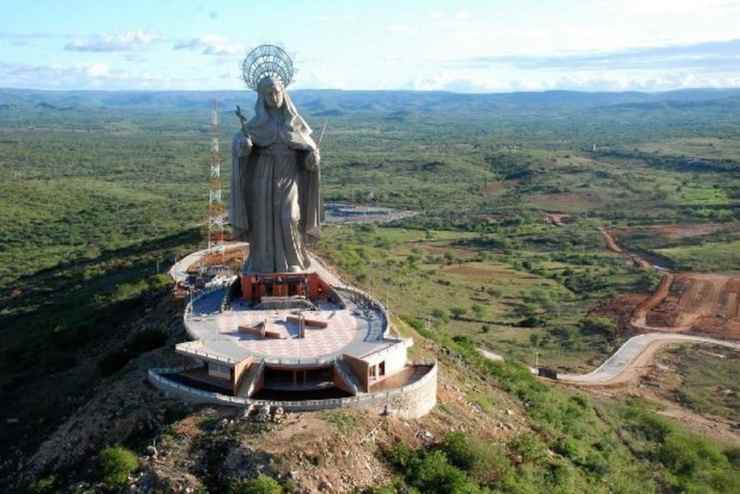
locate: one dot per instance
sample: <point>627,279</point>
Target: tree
<point>440,314</point>
<point>458,312</point>
<point>478,310</point>
<point>535,340</point>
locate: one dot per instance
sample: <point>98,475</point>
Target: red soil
<point>692,302</point>
<point>557,219</point>
<point>610,243</point>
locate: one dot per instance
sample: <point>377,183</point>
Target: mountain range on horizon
<point>330,102</point>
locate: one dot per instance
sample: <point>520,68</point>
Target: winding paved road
<point>634,354</point>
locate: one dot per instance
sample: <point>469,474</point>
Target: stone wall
<point>411,401</point>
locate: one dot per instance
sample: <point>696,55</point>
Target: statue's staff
<point>242,120</point>
<point>321,136</point>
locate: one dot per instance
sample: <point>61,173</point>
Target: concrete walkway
<point>490,355</point>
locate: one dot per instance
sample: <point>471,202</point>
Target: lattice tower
<point>216,209</point>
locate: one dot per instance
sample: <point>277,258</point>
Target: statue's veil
<point>292,128</point>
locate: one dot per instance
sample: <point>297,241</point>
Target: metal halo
<point>267,61</point>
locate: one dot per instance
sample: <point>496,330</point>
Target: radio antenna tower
<point>216,210</point>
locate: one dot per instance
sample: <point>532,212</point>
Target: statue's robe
<point>275,200</point>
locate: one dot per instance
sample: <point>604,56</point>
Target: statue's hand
<point>245,145</point>
<point>312,160</point>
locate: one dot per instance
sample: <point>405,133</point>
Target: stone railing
<point>410,401</point>
<point>186,348</point>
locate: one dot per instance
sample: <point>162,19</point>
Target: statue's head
<point>272,90</point>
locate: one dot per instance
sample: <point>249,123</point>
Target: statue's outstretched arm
<point>242,120</point>
<point>245,142</point>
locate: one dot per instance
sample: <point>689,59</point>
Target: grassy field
<point>707,380</point>
<point>512,296</point>
<point>97,202</point>
<point>710,256</point>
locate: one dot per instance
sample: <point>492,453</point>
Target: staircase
<point>250,379</point>
<point>347,377</point>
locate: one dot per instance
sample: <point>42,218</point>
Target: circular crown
<point>267,61</point>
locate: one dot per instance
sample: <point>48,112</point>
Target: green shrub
<point>529,448</point>
<point>696,464</point>
<point>46,485</point>
<point>260,485</point>
<point>430,471</point>
<point>486,463</point>
<point>460,450</point>
<point>433,474</point>
<point>458,312</point>
<point>116,464</point>
<point>733,456</point>
<point>440,314</point>
<point>599,325</point>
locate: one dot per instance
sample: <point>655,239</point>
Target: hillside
<point>104,190</point>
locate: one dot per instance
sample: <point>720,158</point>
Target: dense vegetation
<point>103,190</point>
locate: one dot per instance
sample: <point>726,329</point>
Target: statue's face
<point>272,91</point>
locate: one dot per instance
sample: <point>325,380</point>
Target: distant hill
<point>395,103</point>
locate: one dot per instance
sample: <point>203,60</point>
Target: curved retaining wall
<point>411,401</point>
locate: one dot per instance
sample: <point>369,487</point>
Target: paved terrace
<point>354,330</point>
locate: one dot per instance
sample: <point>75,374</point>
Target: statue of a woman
<point>275,201</point>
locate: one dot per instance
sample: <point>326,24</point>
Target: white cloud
<point>132,40</point>
<point>607,80</point>
<point>211,44</point>
<point>92,76</point>
<point>97,70</point>
<point>400,29</point>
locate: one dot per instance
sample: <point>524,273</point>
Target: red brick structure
<point>257,285</point>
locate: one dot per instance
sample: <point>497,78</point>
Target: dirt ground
<point>704,303</point>
<point>673,231</point>
<point>480,272</point>
<point>611,244</point>
<point>657,378</point>
<point>558,219</point>
<point>567,201</point>
<point>695,302</point>
<point>230,257</point>
<point>339,450</point>
<point>494,187</point>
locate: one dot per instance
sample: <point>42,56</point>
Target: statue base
<point>255,286</point>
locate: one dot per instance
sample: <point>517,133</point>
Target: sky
<point>461,46</point>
